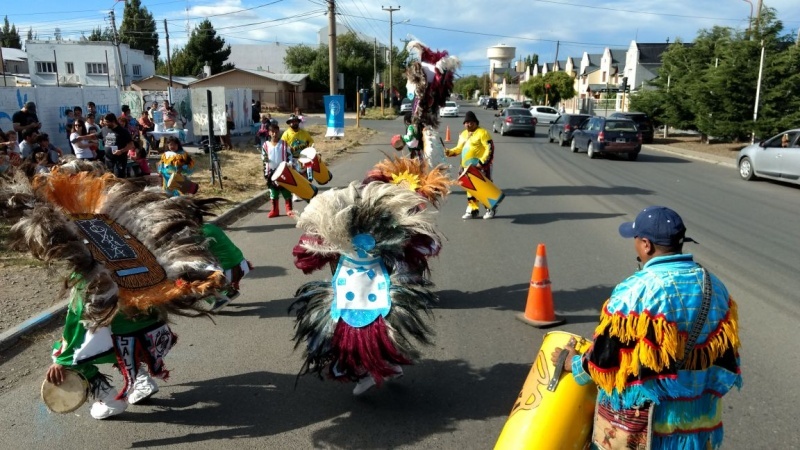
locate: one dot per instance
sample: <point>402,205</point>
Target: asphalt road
<point>233,382</point>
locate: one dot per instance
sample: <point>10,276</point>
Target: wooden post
<point>358,109</point>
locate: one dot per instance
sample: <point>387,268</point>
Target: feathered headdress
<point>378,239</point>
<point>137,250</point>
<point>430,81</point>
<point>410,173</point>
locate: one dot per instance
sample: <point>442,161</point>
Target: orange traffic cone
<point>447,134</point>
<point>539,308</point>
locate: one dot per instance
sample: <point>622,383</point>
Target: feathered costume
<point>361,323</point>
<point>135,255</point>
<point>430,82</point>
<point>433,185</point>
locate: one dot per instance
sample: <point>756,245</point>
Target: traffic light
<point>624,84</point>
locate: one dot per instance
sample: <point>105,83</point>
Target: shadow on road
<point>263,404</point>
<point>286,224</point>
<point>513,298</point>
<point>576,190</point>
<point>540,219</point>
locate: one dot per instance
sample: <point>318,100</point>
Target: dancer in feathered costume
<point>433,185</point>
<point>359,325</point>
<point>430,82</point>
<point>136,257</point>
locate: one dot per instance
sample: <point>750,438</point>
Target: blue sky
<point>464,28</point>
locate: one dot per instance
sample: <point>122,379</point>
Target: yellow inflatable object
<point>552,410</point>
<point>474,181</point>
<point>286,177</point>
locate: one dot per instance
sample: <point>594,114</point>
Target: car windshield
<point>450,104</point>
<point>620,125</point>
<point>518,112</point>
<point>575,120</point>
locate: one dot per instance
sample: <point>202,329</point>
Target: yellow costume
<point>475,148</point>
<point>297,140</point>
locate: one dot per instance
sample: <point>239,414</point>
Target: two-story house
<point>86,63</point>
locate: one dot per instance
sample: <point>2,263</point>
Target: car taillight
<point>509,119</point>
<point>601,137</point>
<point>639,137</point>
<point>534,121</point>
<point>567,127</point>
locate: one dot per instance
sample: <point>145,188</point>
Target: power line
<point>227,13</point>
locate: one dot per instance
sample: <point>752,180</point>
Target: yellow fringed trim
<point>669,345</point>
<point>633,328</point>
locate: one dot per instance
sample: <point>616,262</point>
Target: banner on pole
<point>334,115</point>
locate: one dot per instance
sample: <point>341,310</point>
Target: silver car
<point>777,158</point>
<point>544,114</point>
<point>514,120</point>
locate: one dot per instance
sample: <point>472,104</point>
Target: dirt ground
<point>693,143</point>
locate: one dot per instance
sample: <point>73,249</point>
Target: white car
<point>450,109</point>
<point>544,114</point>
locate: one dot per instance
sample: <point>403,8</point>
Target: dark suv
<point>491,103</point>
<point>643,122</point>
<point>562,128</point>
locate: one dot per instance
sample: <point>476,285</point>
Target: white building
<point>86,63</point>
<point>260,57</point>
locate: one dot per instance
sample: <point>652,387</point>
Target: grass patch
<point>375,114</point>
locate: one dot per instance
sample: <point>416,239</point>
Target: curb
<point>713,159</point>
<point>13,334</point>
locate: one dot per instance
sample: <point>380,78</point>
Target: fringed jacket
<point>642,333</point>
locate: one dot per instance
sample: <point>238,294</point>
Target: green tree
<point>138,29</point>
<point>354,57</point>
<point>31,36</point>
<point>531,60</point>
<point>203,46</point>
<point>467,85</point>
<point>562,87</point>
<point>98,35</point>
<point>9,37</point>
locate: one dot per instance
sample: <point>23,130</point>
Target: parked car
<point>406,105</point>
<point>562,128</point>
<point>777,158</point>
<point>544,114</point>
<point>514,120</point>
<point>482,100</point>
<point>516,105</point>
<point>605,135</point>
<point>643,122</point>
<point>504,102</point>
<point>450,109</point>
<point>491,103</point>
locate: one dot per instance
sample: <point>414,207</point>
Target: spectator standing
<point>117,143</point>
<point>91,108</point>
<point>82,142</point>
<point>255,111</point>
<point>25,119</point>
<point>69,125</point>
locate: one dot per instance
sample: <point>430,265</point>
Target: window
<point>96,68</point>
<point>70,68</point>
<point>45,67</point>
<point>604,76</point>
<point>125,69</point>
<point>137,70</point>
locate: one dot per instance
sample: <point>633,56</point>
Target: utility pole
<point>116,44</point>
<point>374,69</point>
<point>391,46</point>
<point>558,44</point>
<point>758,17</point>
<point>169,62</point>
<point>333,77</point>
<point>3,66</point>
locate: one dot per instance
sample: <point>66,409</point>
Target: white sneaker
<point>106,405</point>
<point>471,214</point>
<point>489,214</point>
<point>295,198</point>
<point>364,384</point>
<point>143,388</point>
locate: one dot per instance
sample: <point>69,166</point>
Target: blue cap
<point>659,224</point>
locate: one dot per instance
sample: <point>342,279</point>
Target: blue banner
<point>334,114</point>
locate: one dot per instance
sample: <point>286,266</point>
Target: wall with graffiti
<point>51,105</point>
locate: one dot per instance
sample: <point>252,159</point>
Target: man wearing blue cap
<point>667,340</point>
